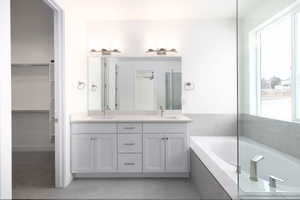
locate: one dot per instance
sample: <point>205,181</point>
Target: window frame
<point>255,62</point>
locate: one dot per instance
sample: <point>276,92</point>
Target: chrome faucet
<point>273,181</point>
<point>253,167</point>
<point>161,111</point>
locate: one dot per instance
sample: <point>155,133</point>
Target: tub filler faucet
<point>253,167</point>
<point>273,181</point>
<point>161,108</point>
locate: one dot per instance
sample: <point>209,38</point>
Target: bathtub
<point>219,154</point>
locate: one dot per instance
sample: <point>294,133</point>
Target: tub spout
<point>273,181</point>
<point>253,167</point>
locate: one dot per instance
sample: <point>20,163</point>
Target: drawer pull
<point>129,128</point>
<point>129,144</point>
<point>127,164</point>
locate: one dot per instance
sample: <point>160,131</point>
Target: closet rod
<point>30,64</point>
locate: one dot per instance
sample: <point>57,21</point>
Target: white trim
<point>62,177</point>
<point>294,65</point>
<point>258,72</point>
<point>255,53</point>
<point>5,102</point>
<point>293,8</point>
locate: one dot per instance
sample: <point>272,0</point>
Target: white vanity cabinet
<point>105,153</point>
<point>93,147</point>
<point>176,150</point>
<point>94,153</point>
<point>153,153</point>
<point>81,152</point>
<point>136,149</point>
<point>165,147</point>
<point>165,153</point>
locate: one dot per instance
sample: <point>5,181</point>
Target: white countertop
<point>130,118</point>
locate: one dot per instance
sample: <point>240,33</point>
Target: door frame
<point>5,102</point>
<point>60,117</point>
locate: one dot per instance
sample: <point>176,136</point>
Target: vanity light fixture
<point>105,51</point>
<point>161,51</point>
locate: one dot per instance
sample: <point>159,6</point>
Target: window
<point>277,60</point>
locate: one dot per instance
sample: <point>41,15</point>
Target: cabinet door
<point>176,153</point>
<point>153,153</point>
<point>105,152</point>
<point>81,151</point>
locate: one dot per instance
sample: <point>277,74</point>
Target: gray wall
<point>213,124</point>
<point>31,31</point>
<point>280,135</point>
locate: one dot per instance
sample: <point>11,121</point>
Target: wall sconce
<point>161,51</point>
<point>105,51</point>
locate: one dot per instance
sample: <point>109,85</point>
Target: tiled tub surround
<point>130,146</point>
<point>213,124</point>
<point>281,135</point>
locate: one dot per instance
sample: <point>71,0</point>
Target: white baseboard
<point>24,148</point>
<point>69,180</point>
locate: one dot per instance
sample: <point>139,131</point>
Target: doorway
<point>37,95</point>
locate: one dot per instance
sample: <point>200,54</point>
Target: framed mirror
<point>134,83</point>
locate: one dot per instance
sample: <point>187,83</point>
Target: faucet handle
<point>273,181</point>
<point>257,158</point>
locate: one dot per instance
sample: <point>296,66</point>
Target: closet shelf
<point>30,111</point>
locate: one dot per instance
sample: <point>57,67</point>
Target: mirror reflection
<point>134,83</point>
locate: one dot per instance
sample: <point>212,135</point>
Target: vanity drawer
<point>130,162</point>
<point>129,127</point>
<point>80,128</point>
<point>129,143</point>
<point>164,127</point>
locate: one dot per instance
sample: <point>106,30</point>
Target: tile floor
<point>33,178</point>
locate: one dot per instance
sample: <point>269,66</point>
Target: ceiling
<point>245,6</point>
<point>151,9</point>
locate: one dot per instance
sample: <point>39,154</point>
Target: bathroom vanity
<point>122,135</point>
<point>130,146</point>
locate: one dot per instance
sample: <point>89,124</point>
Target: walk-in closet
<point>32,95</point>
